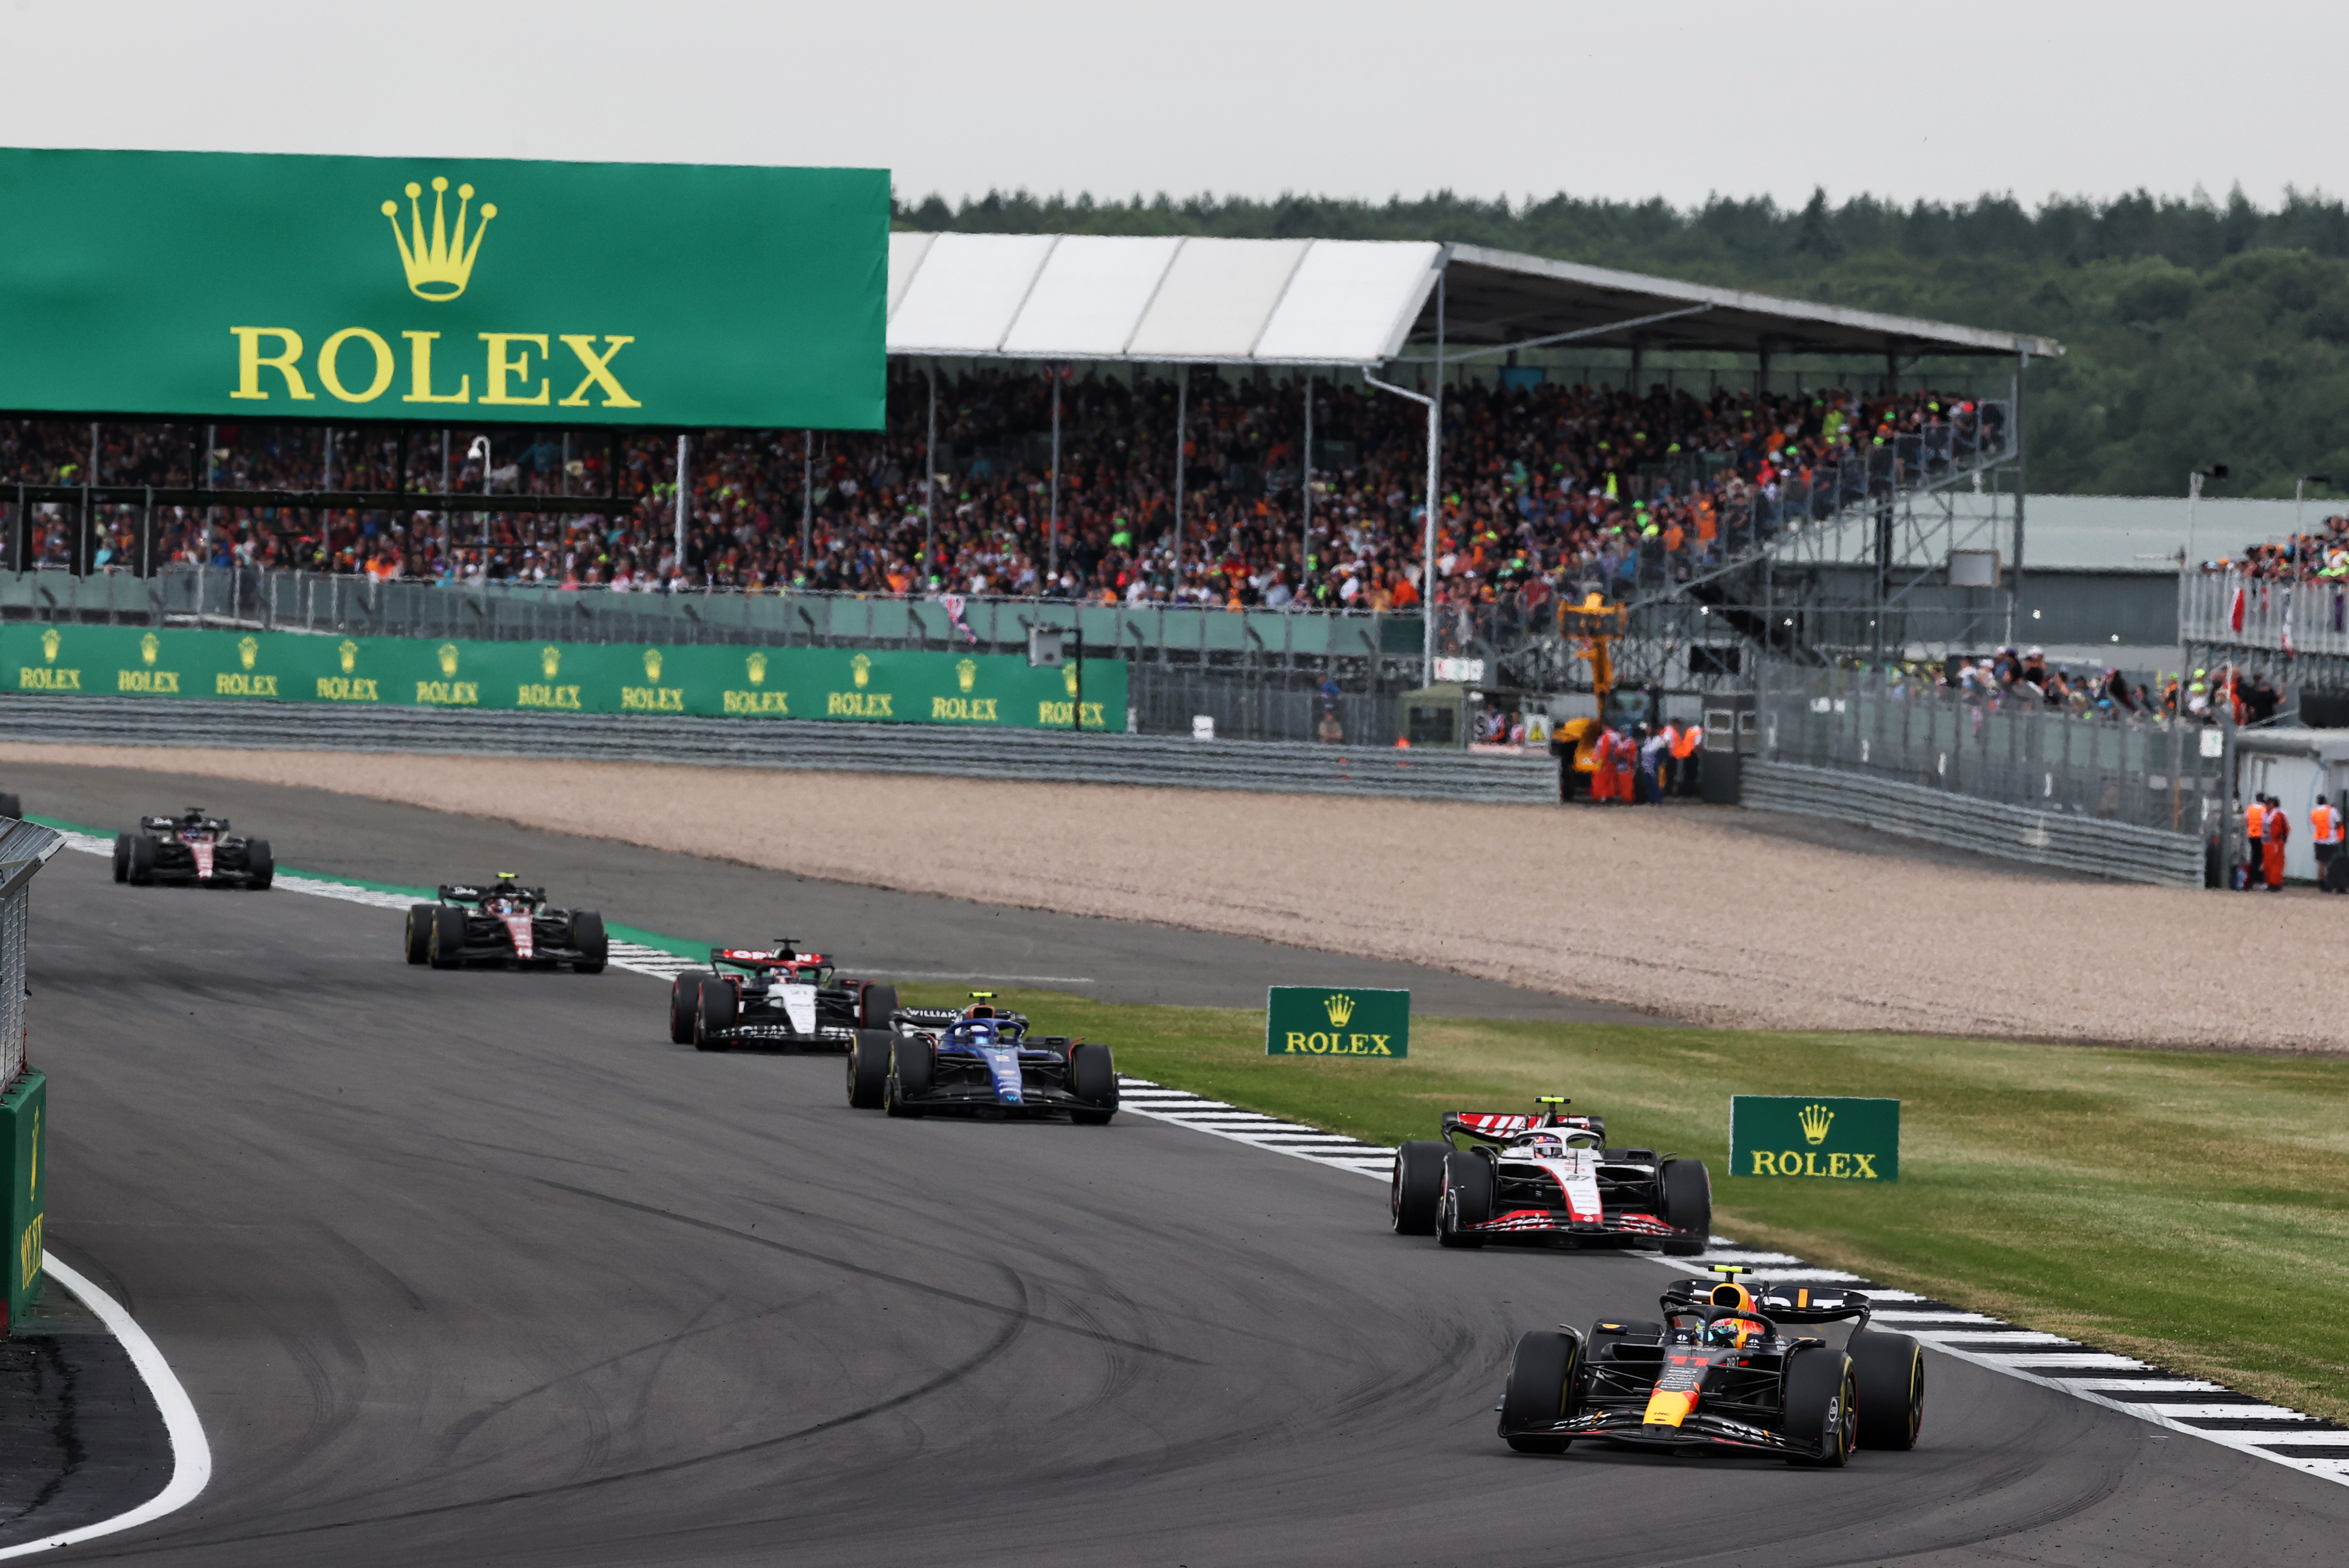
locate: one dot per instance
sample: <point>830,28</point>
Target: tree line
<point>2196,331</point>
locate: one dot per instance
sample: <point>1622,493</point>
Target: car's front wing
<point>1701,1428</point>
<point>1559,1223</point>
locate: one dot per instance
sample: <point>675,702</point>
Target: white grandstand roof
<point>1342,302</point>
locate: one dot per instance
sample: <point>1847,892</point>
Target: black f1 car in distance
<point>1547,1178</point>
<point>979,1060</point>
<point>192,849</point>
<point>1719,1374</point>
<point>778,995</point>
<point>504,923</point>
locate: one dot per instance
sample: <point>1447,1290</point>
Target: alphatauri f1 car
<point>1720,1375</point>
<point>778,995</point>
<point>504,923</point>
<point>193,848</point>
<point>979,1060</point>
<point>1547,1177</point>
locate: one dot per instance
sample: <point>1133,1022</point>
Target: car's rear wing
<point>766,958</point>
<point>1500,1126</point>
<point>471,893</point>
<point>939,1017</point>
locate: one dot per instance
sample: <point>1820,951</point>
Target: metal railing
<point>2266,615</point>
<point>25,847</point>
<point>2004,747</point>
<point>1034,755</point>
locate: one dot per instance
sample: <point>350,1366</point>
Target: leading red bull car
<point>1720,1373</point>
<point>1547,1179</point>
<point>507,924</point>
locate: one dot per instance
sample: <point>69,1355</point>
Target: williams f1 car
<point>504,923</point>
<point>778,995</point>
<point>979,1060</point>
<point>1720,1373</point>
<point>1547,1177</point>
<point>192,849</point>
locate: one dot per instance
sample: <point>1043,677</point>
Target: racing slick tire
<point>873,1006</point>
<point>122,856</point>
<point>415,939</point>
<point>910,1065</point>
<point>685,1004</point>
<point>12,806</point>
<point>142,860</point>
<point>1541,1388</point>
<point>1821,1406</point>
<point>717,1008</point>
<point>1093,1078</point>
<point>594,947</point>
<point>1688,1205</point>
<point>1467,1198</point>
<point>1417,1186</point>
<point>1887,1371</point>
<point>260,865</point>
<point>445,949</point>
<point>869,1069</point>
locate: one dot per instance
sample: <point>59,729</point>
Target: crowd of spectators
<point>2322,556</point>
<point>1545,487</point>
<point>2024,675</point>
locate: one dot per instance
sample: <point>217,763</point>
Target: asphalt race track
<point>477,1268</point>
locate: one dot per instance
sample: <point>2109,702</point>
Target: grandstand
<point>1201,422</point>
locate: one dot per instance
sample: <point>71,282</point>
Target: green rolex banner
<point>972,690</point>
<point>1319,1021</point>
<point>22,1109</point>
<point>1840,1138</point>
<point>442,290</point>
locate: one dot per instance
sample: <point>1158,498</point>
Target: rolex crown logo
<point>1815,1120</point>
<point>652,663</point>
<point>448,659</point>
<point>758,667</point>
<point>967,673</point>
<point>550,659</point>
<point>438,267</point>
<point>50,639</point>
<point>1341,1007</point>
<point>1069,678</point>
<point>350,652</point>
<point>149,647</point>
<point>860,669</point>
<point>248,648</point>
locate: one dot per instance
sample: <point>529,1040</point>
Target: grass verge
<point>2192,1209</point>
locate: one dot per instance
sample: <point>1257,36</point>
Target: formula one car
<point>980,1059</point>
<point>193,848</point>
<point>504,923</point>
<point>1547,1178</point>
<point>1718,1375</point>
<point>755,996</point>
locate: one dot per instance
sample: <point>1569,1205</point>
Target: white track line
<point>192,1455</point>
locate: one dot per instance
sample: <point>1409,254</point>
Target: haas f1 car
<point>980,1060</point>
<point>1547,1177</point>
<point>192,849</point>
<point>1720,1373</point>
<point>773,996</point>
<point>504,923</point>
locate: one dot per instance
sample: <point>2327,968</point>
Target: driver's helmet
<point>1730,1331</point>
<point>1542,1146</point>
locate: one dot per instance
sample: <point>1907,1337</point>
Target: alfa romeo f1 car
<point>504,923</point>
<point>1720,1375</point>
<point>778,995</point>
<point>1547,1177</point>
<point>980,1059</point>
<point>192,849</point>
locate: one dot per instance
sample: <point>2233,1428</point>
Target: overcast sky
<point>1369,98</point>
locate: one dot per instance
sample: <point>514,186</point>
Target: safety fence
<point>1032,755</point>
<point>2071,843</point>
<point>25,847</point>
<point>2004,747</point>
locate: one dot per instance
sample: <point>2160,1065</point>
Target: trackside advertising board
<point>1317,1021</point>
<point>978,691</point>
<point>442,290</point>
<point>1806,1136</point>
<point>23,1109</point>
